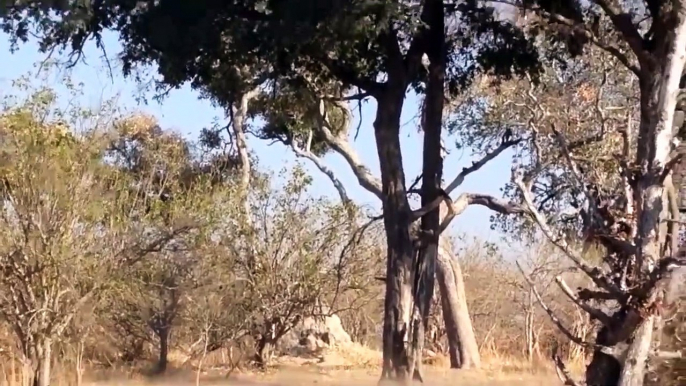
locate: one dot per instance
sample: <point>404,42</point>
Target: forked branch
<point>599,277</point>
<point>465,199</point>
<point>459,179</point>
<point>594,312</point>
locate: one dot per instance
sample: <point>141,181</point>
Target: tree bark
<point>432,173</point>
<point>43,363</point>
<point>631,332</point>
<point>163,335</point>
<point>263,352</point>
<point>633,372</point>
<point>240,113</point>
<point>398,305</point>
<point>463,349</point>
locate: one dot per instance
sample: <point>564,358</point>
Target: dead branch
<point>595,273</point>
<point>594,312</point>
<point>667,355</point>
<point>551,314</point>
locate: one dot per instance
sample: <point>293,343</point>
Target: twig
<point>552,315</point>
<point>598,276</point>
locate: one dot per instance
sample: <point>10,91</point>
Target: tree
<point>626,204</point>
<point>152,293</point>
<point>64,225</point>
<point>375,47</point>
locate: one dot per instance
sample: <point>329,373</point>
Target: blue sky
<point>184,112</point>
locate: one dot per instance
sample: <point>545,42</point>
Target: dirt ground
<point>348,365</point>
<point>319,377</point>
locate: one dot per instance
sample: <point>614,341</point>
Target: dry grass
<point>292,374</point>
<point>348,365</point>
<point>297,376</point>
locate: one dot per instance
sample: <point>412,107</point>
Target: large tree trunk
<point>423,293</point>
<point>463,349</point>
<point>432,171</point>
<point>398,305</point>
<point>631,332</point>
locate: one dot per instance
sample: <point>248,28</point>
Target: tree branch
<point>625,26</point>
<point>455,208</point>
<point>459,179</point>
<point>341,145</point>
<point>551,314</point>
<point>599,277</point>
<point>349,77</point>
<point>594,312</point>
<point>583,29</point>
<point>324,169</point>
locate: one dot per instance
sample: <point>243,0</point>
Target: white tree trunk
<point>633,371</point>
<point>464,351</point>
<point>239,116</point>
<point>659,97</point>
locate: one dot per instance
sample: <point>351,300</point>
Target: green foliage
<point>95,206</point>
<point>54,215</point>
<point>224,47</point>
<point>292,116</point>
<point>588,101</point>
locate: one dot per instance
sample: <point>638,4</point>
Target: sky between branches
<point>183,112</point>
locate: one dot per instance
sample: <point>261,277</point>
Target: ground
<point>348,378</point>
<point>344,365</point>
<point>303,376</point>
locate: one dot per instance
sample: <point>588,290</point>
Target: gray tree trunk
<point>43,363</point>
<point>633,372</point>
<point>464,351</point>
<point>399,302</point>
<point>659,91</point>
